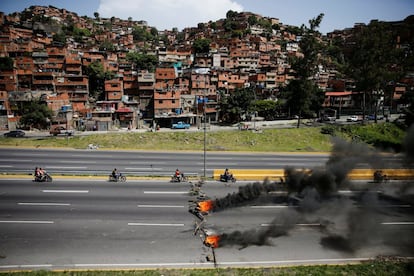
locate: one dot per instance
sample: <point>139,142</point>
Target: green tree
<point>106,45</point>
<point>304,98</point>
<point>59,37</point>
<point>97,76</point>
<point>36,114</point>
<point>265,108</point>
<point>6,63</point>
<point>236,106</point>
<point>373,61</point>
<point>143,61</point>
<point>201,45</point>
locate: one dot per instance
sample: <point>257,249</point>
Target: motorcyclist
<point>42,173</point>
<point>178,175</point>
<point>115,174</point>
<point>227,175</point>
<point>37,173</point>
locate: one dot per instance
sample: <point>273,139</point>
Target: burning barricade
<point>201,208</point>
<point>211,239</point>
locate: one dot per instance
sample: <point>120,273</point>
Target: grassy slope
<point>270,140</point>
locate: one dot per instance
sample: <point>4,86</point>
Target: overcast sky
<point>167,14</point>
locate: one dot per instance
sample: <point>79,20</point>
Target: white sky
<point>167,14</point>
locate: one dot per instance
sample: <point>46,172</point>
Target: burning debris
<point>201,208</point>
<point>211,239</point>
<point>348,223</point>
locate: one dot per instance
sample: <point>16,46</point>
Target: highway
<point>87,223</point>
<point>147,163</point>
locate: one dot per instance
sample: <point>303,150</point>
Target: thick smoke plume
<point>280,226</point>
<point>245,195</point>
<point>348,223</point>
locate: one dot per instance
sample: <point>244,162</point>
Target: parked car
<point>61,130</point>
<point>372,117</point>
<point>353,118</point>
<point>180,125</point>
<point>15,133</point>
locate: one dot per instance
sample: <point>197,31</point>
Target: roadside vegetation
<point>385,136</point>
<point>377,267</point>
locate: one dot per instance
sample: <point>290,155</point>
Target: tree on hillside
<point>267,109</point>
<point>303,96</point>
<point>97,76</point>
<point>201,46</point>
<point>373,61</point>
<point>36,114</point>
<point>236,106</point>
<point>143,61</point>
<point>6,63</point>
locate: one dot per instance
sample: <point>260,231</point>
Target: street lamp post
<point>205,127</point>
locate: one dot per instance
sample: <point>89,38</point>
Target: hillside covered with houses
<point>108,73</point>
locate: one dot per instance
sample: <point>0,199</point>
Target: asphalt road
<point>86,224</point>
<point>102,162</point>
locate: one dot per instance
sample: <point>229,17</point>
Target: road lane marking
<point>160,206</point>
<point>28,221</point>
<point>297,224</point>
<point>6,166</point>
<point>165,192</point>
<point>146,162</point>
<point>43,204</point>
<point>65,191</point>
<point>143,169</point>
<point>219,164</point>
<point>155,224</point>
<point>77,161</point>
<point>15,160</point>
<point>398,223</point>
<point>65,167</point>
<point>272,206</point>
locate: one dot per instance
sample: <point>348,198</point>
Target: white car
<point>353,118</point>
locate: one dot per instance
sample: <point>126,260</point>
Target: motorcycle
<point>43,178</point>
<point>179,178</point>
<point>227,178</point>
<point>120,178</point>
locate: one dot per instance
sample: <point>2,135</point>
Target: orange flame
<point>212,241</point>
<point>205,206</point>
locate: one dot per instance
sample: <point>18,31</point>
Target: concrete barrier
<point>277,174</point>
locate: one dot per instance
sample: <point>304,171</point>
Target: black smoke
<point>245,195</point>
<point>280,226</point>
<point>348,223</point>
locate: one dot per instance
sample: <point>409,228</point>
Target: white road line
<point>160,206</point>
<point>15,160</point>
<point>143,169</point>
<point>398,223</point>
<point>43,204</point>
<point>165,192</point>
<point>77,161</point>
<point>28,221</point>
<point>92,155</point>
<point>146,162</point>
<point>273,206</point>
<point>219,164</point>
<point>155,224</point>
<point>6,166</point>
<point>65,191</point>
<point>65,167</point>
<point>297,224</point>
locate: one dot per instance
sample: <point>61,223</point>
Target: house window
<point>173,101</point>
<point>160,101</point>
